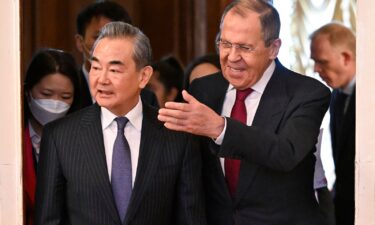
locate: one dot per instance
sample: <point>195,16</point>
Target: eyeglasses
<point>227,46</point>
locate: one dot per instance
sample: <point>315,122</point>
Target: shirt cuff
<point>220,138</point>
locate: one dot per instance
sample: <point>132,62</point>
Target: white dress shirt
<point>251,102</point>
<point>320,179</point>
<point>35,141</point>
<point>132,133</point>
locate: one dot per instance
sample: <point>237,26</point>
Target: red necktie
<point>232,166</point>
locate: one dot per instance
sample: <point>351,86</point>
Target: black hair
<point>48,61</point>
<point>170,75</point>
<point>174,62</point>
<point>108,9</point>
<point>211,58</point>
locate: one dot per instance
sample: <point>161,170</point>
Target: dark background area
<point>184,28</point>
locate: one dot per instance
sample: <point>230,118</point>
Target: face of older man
<point>243,54</point>
<point>330,62</point>
<point>115,81</point>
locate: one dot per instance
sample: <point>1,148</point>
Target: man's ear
<point>79,40</point>
<point>347,56</point>
<point>274,48</point>
<point>145,75</point>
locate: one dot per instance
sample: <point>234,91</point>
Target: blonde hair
<point>338,35</point>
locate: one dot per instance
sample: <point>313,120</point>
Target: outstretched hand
<point>192,117</point>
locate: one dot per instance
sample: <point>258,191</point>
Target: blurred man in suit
<point>260,122</point>
<point>81,178</point>
<point>88,23</point>
<point>333,49</point>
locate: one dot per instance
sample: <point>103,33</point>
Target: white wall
<point>10,115</point>
<point>365,114</point>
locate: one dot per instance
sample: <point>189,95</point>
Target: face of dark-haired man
<point>85,43</point>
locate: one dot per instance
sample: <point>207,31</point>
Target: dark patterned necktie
<point>337,120</point>
<point>121,176</point>
<point>232,166</point>
<point>340,107</point>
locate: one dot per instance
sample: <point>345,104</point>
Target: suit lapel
<point>350,110</point>
<point>149,152</point>
<point>213,96</point>
<point>273,103</point>
<point>218,96</point>
<point>91,142</point>
<point>348,125</point>
<point>216,103</point>
<point>268,116</point>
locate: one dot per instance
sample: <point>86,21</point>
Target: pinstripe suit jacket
<point>73,186</point>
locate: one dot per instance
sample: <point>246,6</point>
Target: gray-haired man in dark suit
<point>79,153</point>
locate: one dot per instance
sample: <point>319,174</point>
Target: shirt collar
<point>350,87</point>
<point>33,135</point>
<point>134,116</point>
<point>35,140</point>
<point>263,81</point>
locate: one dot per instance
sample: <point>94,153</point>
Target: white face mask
<point>47,110</point>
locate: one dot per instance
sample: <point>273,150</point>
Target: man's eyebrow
<point>113,62</point>
<point>93,58</point>
<point>116,62</point>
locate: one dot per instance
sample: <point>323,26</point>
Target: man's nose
<point>317,68</point>
<point>103,77</point>
<point>234,54</point>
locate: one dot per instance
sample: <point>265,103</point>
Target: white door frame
<point>10,115</point>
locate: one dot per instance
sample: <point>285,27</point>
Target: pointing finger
<point>188,97</point>
<point>177,106</point>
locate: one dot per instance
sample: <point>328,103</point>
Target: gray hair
<point>268,16</point>
<point>142,53</point>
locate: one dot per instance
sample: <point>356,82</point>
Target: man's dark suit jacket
<point>86,99</point>
<point>73,184</point>
<point>343,147</point>
<point>277,162</point>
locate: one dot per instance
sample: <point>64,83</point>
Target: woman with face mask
<point>50,92</point>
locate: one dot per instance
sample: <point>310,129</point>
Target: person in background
<point>333,49</point>
<point>174,62</point>
<point>201,66</point>
<point>88,23</point>
<point>113,162</point>
<point>259,124</point>
<point>50,91</point>
<point>166,81</point>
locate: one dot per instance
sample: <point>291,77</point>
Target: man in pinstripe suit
<point>74,185</point>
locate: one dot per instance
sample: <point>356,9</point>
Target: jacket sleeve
<point>283,149</point>
<point>190,199</point>
<point>50,197</point>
